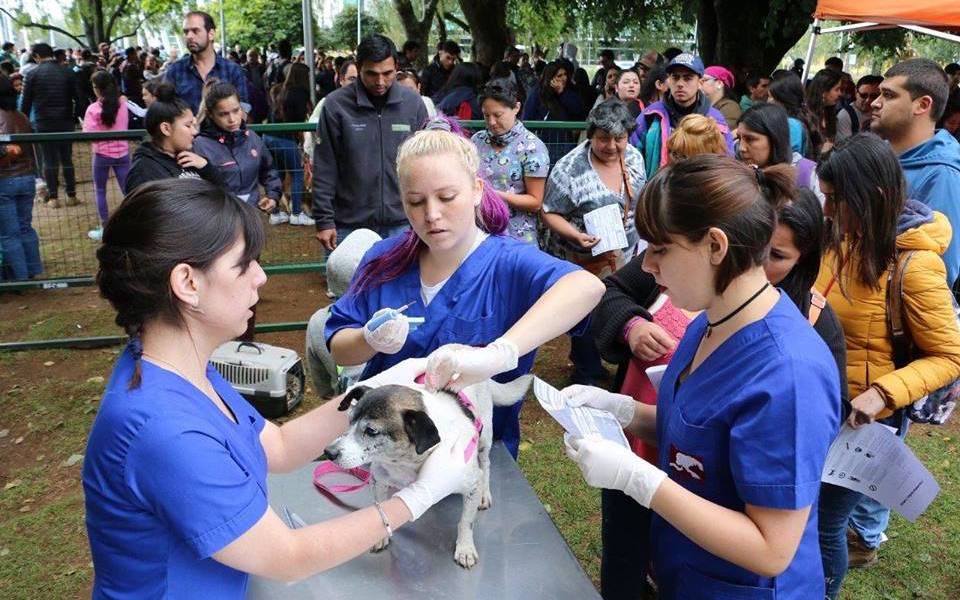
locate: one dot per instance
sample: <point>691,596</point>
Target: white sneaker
<point>302,219</point>
<point>96,234</point>
<point>278,218</point>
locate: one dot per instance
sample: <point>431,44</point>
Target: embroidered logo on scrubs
<point>686,465</point>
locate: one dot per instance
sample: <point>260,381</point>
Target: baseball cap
<point>722,74</point>
<point>687,61</point>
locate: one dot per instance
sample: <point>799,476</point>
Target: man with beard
<point>855,117</point>
<point>657,121</point>
<point>190,72</point>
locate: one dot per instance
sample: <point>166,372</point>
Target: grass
<point>43,547</point>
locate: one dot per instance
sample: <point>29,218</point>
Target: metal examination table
<point>522,555</point>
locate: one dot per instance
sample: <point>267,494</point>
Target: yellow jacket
<point>928,316</point>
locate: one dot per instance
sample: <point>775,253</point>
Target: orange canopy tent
<point>931,17</point>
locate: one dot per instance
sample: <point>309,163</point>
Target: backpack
<point>937,406</point>
<point>805,168</point>
<point>854,119</point>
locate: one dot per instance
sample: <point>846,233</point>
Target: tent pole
<point>308,57</point>
<point>814,32</point>
<point>927,31</point>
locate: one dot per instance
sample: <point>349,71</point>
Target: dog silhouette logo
<point>687,466</point>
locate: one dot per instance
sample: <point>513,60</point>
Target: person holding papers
<point>747,408</point>
<point>603,171</point>
<point>877,230</point>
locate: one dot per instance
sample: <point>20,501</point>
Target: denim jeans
<point>506,426</point>
<point>386,231</point>
<point>19,242</point>
<point>870,518</point>
<point>833,514</point>
<point>286,159</point>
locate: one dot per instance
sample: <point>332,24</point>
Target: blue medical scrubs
<point>484,297</point>
<point>168,481</point>
<point>751,425</point>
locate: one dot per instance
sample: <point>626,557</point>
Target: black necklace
<point>710,325</point>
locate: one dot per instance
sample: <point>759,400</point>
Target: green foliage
<point>256,23</point>
<point>343,34</point>
<point>540,22</point>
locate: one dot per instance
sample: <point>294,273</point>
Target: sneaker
<point>54,202</point>
<point>279,217</point>
<point>302,219</point>
<point>73,200</point>
<point>96,234</point>
<point>859,555</point>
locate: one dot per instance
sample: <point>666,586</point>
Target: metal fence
<point>69,255</point>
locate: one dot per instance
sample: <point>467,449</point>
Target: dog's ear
<point>355,394</point>
<point>420,429</point>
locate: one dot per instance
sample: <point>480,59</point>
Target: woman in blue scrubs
<point>746,409</point>
<point>459,271</point>
<point>175,474</point>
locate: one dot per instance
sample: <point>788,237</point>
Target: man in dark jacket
<point>131,77</point>
<point>50,90</point>
<point>83,71</point>
<point>437,72</point>
<point>355,158</point>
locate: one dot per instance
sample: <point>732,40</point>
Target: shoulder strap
<point>899,336</point>
<point>817,304</point>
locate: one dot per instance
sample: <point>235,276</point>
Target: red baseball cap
<point>721,73</point>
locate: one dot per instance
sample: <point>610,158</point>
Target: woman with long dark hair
<point>876,229</point>
<point>554,100</point>
<point>763,139</point>
<point>805,137</point>
<point>458,96</point>
<point>823,93</point>
<point>108,113</point>
<point>292,105</point>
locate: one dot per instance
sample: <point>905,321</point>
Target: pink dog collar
<point>325,467</point>
<point>477,423</point>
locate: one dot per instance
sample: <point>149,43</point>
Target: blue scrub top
<point>751,425</point>
<point>169,480</point>
<point>483,298</point>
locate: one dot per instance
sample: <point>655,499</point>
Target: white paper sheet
<point>873,461</point>
<point>655,374</point>
<point>580,421</point>
<point>606,223</point>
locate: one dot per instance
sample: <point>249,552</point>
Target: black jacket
<point>355,157</point>
<point>242,159</point>
<point>150,163</point>
<point>433,78</point>
<point>51,90</point>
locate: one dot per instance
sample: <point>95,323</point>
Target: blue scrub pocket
<point>696,457</point>
<point>472,332</point>
<point>692,583</point>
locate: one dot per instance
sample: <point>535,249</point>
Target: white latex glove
<point>456,366</point>
<point>622,406</point>
<point>607,464</point>
<point>390,335</point>
<point>402,373</point>
<point>441,475</point>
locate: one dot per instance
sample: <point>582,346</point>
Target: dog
<point>394,428</point>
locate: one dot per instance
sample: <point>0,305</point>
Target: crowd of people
<point>763,223</point>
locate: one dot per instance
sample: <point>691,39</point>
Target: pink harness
<point>326,467</point>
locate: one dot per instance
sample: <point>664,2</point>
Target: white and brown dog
<point>394,428</point>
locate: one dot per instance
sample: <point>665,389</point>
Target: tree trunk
<point>416,29</point>
<point>750,36</point>
<point>488,24</point>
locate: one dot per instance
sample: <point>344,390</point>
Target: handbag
<point>937,406</point>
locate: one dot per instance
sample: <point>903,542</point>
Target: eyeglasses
<point>872,96</point>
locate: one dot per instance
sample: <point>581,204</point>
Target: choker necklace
<point>710,326</point>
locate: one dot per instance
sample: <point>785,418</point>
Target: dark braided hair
<point>158,226</point>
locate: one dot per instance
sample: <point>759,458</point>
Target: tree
<point>540,22</point>
<point>416,29</point>
<point>343,34</point>
<point>256,23</point>
<point>488,25</point>
<point>750,35</point>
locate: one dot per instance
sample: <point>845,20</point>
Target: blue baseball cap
<point>687,61</point>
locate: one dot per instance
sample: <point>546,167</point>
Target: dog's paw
<point>466,555</point>
<point>486,500</point>
<point>381,545</point>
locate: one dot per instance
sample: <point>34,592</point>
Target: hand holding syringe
<point>387,329</point>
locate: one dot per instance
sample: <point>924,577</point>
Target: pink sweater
<point>92,122</point>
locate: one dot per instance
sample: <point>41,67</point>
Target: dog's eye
<point>371,432</point>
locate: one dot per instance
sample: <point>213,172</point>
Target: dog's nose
<point>332,453</point>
